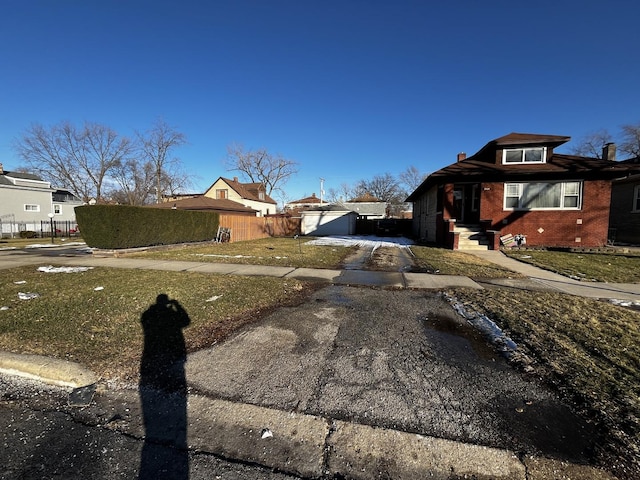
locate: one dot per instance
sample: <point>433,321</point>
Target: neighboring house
<point>252,195</point>
<point>624,222</point>
<point>328,220</point>
<point>206,204</point>
<point>367,206</point>
<point>517,185</point>
<point>26,200</point>
<point>298,206</point>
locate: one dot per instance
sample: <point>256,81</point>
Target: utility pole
<point>321,189</point>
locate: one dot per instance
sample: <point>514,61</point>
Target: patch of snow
<point>28,295</point>
<point>8,248</point>
<point>97,289</point>
<point>51,245</point>
<point>625,303</point>
<point>20,282</point>
<point>487,327</point>
<point>2,309</point>
<point>364,241</point>
<point>52,269</point>
<point>214,298</point>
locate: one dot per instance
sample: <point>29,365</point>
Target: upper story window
<point>543,196</point>
<point>261,195</point>
<point>524,155</point>
<point>636,198</point>
<point>57,209</point>
<point>221,193</point>
<point>31,208</point>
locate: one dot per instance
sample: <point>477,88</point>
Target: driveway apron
<point>399,359</point>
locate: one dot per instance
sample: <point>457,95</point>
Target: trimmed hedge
<point>121,226</point>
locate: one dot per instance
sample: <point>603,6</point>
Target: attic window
<point>261,195</point>
<point>524,155</point>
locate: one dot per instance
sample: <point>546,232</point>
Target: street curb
<point>301,444</point>
<point>48,370</point>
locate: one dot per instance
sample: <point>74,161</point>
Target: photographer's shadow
<point>163,391</point>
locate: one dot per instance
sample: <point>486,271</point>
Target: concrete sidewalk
<point>543,279</point>
<point>554,281</point>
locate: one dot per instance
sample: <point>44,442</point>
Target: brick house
<point>516,185</point>
<point>624,223</point>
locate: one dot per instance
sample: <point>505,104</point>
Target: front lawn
<point>596,267</point>
<point>282,252</point>
<point>452,262</point>
<point>588,349</point>
<point>93,317</point>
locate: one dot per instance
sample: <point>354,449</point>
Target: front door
<point>466,203</point>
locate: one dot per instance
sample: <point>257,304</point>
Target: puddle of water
<point>449,326</point>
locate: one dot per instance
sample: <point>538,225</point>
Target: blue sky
<point>347,88</point>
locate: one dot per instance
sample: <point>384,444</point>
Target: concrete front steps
<point>471,237</point>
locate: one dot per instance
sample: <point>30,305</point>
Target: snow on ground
<point>363,241</point>
<point>52,269</point>
<point>51,245</point>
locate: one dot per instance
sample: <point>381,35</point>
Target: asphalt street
<point>41,439</point>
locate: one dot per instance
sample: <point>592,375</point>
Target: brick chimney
<point>462,156</point>
<point>609,152</point>
<point>235,179</point>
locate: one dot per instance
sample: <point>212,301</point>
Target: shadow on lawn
<point>163,391</point>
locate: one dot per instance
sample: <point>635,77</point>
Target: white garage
<point>328,220</point>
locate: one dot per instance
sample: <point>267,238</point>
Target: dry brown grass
<point>101,328</point>
<point>588,349</point>
<point>451,262</point>
<point>283,252</point>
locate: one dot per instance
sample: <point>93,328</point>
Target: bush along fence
<point>39,229</point>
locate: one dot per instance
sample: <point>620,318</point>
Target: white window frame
<point>523,155</point>
<point>516,189</point>
<point>57,209</point>
<point>31,207</point>
<point>222,193</point>
<point>636,199</point>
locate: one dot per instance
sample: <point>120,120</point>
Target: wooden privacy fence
<point>251,228</point>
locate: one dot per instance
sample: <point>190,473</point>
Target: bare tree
<point>630,144</point>
<point>156,145</point>
<point>591,144</point>
<point>344,193</point>
<point>77,159</point>
<point>260,166</point>
<point>411,179</point>
<point>135,183</point>
<point>384,187</point>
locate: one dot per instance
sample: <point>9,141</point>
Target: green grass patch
<point>451,262</point>
<point>284,252</point>
<point>101,328</point>
<point>588,348</point>
<point>597,267</point>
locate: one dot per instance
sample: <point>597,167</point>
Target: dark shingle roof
<point>482,166</point>
<point>249,191</point>
<point>203,203</point>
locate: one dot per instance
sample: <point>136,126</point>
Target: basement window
<point>543,196</point>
